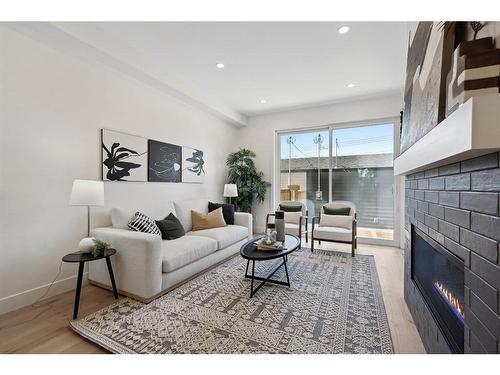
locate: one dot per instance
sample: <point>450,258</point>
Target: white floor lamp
<point>230,190</point>
<point>87,193</point>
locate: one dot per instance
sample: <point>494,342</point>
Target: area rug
<point>334,305</point>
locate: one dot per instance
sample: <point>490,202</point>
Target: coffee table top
<point>249,249</point>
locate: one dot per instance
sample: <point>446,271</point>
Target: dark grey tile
<point>481,202</point>
<point>431,222</point>
<point>432,196</point>
<point>423,207</point>
<point>486,224</point>
<point>431,172</point>
<point>457,216</point>
<point>481,245</point>
<point>449,198</point>
<point>488,317</point>
<point>457,249</point>
<point>458,182</point>
<point>487,180</point>
<point>423,184</point>
<point>436,210</point>
<point>419,194</point>
<point>449,230</point>
<point>486,270</point>
<point>481,162</point>
<point>436,236</point>
<point>485,291</point>
<point>436,183</point>
<point>449,169</point>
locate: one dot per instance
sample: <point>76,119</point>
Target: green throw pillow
<point>337,211</point>
<point>170,227</point>
<point>290,207</point>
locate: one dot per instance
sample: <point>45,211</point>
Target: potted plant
<point>243,173</point>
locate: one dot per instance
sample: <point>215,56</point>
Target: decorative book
<point>262,245</point>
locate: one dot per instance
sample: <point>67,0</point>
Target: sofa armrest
<point>137,265</point>
<point>245,220</point>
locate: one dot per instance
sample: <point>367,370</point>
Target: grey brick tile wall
<point>459,206</point>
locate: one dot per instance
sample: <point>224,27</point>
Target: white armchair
<point>295,219</point>
<point>335,226</point>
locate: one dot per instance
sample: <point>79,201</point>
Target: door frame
<point>397,193</point>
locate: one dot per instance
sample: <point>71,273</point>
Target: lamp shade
<point>87,193</point>
<point>230,190</point>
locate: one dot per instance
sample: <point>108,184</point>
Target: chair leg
<point>319,242</point>
<point>306,237</point>
<point>312,244</point>
<point>353,247</point>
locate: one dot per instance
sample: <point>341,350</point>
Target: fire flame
<point>449,296</point>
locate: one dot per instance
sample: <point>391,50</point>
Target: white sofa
<point>145,266</point>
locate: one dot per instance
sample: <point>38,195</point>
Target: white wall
<point>52,108</point>
<point>259,134</point>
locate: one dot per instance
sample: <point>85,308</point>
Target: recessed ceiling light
<point>351,85</point>
<point>220,65</point>
<point>344,29</point>
<point>263,101</point>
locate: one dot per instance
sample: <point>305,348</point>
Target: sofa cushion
<point>340,221</point>
<point>187,249</point>
<point>292,217</point>
<point>227,211</point>
<point>183,211</point>
<point>224,236</point>
<point>214,219</point>
<point>120,217</point>
<point>170,227</point>
<point>332,234</point>
<point>143,223</point>
<point>293,228</point>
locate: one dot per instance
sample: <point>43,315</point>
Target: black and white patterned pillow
<point>143,223</point>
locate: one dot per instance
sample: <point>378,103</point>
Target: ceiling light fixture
<point>263,101</point>
<point>351,85</point>
<point>344,29</point>
<point>220,65</point>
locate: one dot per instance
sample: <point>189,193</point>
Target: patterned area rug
<point>334,305</point>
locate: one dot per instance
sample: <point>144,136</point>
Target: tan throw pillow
<point>214,219</point>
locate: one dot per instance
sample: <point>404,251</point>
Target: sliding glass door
<point>351,162</point>
<point>304,168</point>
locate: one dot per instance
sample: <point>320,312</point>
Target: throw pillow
<point>143,223</point>
<point>214,219</point>
<point>337,211</point>
<point>292,217</point>
<point>339,221</point>
<point>170,227</point>
<point>290,207</point>
<point>227,211</point>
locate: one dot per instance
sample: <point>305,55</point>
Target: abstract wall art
<point>165,164</point>
<point>424,93</point>
<point>193,165</point>
<point>124,156</point>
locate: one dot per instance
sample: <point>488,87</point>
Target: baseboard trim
<point>28,297</point>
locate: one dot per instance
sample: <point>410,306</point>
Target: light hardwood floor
<point>44,328</point>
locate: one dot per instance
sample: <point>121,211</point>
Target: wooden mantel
<point>472,130</point>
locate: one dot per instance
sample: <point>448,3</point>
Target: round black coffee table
<point>250,252</point>
<point>81,258</point>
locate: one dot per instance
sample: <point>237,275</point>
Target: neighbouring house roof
<point>349,161</point>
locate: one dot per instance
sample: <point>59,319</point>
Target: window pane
<point>301,156</point>
<point>363,173</point>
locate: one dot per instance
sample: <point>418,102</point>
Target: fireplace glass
<point>439,276</point>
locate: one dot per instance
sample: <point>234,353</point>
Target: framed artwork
<point>165,162</point>
<point>193,165</point>
<point>424,93</point>
<point>124,156</point>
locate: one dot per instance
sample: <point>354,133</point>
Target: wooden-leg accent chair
<point>295,219</point>
<point>337,223</point>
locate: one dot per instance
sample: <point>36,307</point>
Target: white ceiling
<point>289,64</point>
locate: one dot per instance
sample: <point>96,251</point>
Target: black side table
<point>81,258</point>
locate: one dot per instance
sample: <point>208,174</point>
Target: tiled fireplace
<point>452,260</point>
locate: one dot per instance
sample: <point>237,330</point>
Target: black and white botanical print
<point>124,156</point>
<point>165,161</point>
<point>193,165</point>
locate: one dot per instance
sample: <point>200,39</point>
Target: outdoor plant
<point>249,181</point>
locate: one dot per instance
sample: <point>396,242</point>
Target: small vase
<point>86,245</point>
<point>279,222</point>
